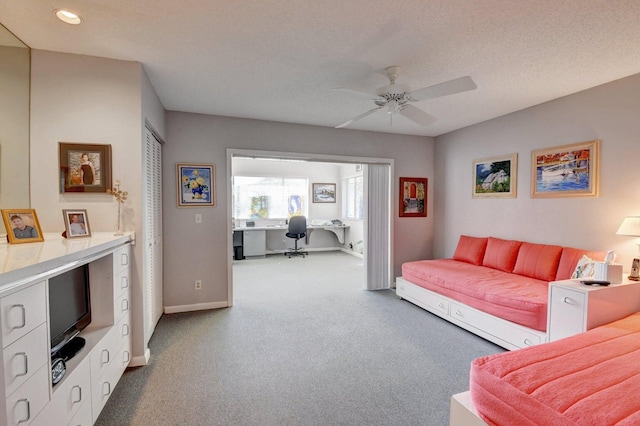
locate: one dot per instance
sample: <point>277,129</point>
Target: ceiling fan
<point>398,99</point>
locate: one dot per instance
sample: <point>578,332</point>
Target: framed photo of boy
<point>76,223</point>
<point>22,226</point>
<point>196,184</point>
<point>84,167</point>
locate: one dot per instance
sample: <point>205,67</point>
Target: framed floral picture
<point>413,197</point>
<point>566,171</point>
<point>196,184</point>
<point>76,223</point>
<point>22,226</point>
<point>84,167</point>
<point>495,177</point>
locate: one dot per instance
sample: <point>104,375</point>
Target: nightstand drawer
<point>567,312</point>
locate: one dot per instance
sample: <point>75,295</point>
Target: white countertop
<point>25,261</point>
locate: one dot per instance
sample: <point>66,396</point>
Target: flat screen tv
<point>69,308</point>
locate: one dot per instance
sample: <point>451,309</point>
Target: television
<point>69,311</point>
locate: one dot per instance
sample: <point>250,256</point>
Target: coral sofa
<point>495,288</point>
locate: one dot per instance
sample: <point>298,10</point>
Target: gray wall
<point>195,251</point>
<point>610,112</point>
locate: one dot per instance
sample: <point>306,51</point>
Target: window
<point>353,198</point>
<point>269,197</point>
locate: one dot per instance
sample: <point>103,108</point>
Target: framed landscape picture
<point>413,197</point>
<point>566,171</point>
<point>84,167</point>
<point>22,226</point>
<point>196,184</point>
<point>495,177</point>
<point>324,192</point>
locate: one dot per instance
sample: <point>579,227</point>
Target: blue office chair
<point>297,230</point>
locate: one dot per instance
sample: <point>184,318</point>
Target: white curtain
<point>377,228</point>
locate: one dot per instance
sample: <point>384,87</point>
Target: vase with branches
<point>121,197</point>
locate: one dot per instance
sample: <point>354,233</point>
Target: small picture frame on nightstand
<point>635,270</point>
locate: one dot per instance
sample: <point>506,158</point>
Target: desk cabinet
<point>255,243</point>
<point>575,307</point>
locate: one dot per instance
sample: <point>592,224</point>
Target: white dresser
<point>28,396</point>
<point>575,307</point>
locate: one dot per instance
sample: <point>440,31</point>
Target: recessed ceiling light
<point>68,17</point>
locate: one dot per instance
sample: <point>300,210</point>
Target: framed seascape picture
<point>566,171</point>
<point>76,223</point>
<point>196,184</point>
<point>413,197</point>
<point>22,226</point>
<point>324,192</point>
<point>84,167</point>
<point>495,177</point>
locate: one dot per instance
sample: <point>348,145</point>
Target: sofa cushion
<point>501,254</point>
<point>538,261</point>
<point>470,249</point>
<point>569,259</point>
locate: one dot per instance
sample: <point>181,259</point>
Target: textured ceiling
<point>279,60</point>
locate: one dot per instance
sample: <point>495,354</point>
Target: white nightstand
<point>575,307</point>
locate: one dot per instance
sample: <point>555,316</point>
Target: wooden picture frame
<point>324,192</point>
<point>76,223</point>
<point>566,171</point>
<point>413,197</point>
<point>22,226</point>
<point>84,167</point>
<point>495,177</point>
<point>195,184</point>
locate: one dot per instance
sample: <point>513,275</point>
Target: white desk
<point>254,243</point>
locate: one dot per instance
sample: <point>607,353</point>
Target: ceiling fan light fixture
<point>68,17</point>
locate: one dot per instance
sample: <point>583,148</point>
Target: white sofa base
<point>504,333</point>
<point>462,412</point>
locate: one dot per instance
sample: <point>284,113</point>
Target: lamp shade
<point>630,226</point>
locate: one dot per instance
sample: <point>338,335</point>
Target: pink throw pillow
<point>538,261</point>
<point>470,249</point>
<point>501,254</point>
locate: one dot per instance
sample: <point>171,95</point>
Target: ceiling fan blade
<point>417,115</point>
<point>362,95</point>
<point>361,116</point>
<point>450,87</point>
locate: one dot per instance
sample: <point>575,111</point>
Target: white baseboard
<point>352,253</point>
<point>195,307</point>
<point>140,361</point>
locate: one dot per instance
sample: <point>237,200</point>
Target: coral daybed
<point>495,288</point>
<point>592,378</point>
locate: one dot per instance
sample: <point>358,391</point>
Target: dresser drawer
<point>121,306</point>
<point>102,388</point>
<point>83,417</point>
<point>68,396</point>
<point>28,400</point>
<point>121,259</point>
<point>567,312</point>
<point>121,283</point>
<point>24,357</point>
<point>504,330</point>
<point>22,312</point>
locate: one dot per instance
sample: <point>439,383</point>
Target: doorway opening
<point>376,224</point>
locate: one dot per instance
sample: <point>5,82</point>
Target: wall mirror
<point>15,65</point>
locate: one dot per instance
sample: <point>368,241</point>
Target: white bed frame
<point>504,333</point>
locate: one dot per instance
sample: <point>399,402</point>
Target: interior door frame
<point>328,158</point>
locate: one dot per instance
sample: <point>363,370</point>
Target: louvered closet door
<point>152,236</point>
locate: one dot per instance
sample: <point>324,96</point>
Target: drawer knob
<point>125,305</point>
<point>458,313</point>
<point>125,283</point>
<point>441,305</point>
<point>23,314</point>
<point>79,394</point>
<point>528,342</point>
<point>568,300</point>
<point>106,389</point>
<point>105,360</point>
<point>26,364</point>
<point>26,402</point>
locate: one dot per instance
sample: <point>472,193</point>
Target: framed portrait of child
<point>22,226</point>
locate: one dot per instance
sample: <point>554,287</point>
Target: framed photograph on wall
<point>22,226</point>
<point>84,167</point>
<point>495,177</point>
<point>324,192</point>
<point>413,197</point>
<point>196,184</point>
<point>566,171</point>
<point>76,223</point>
